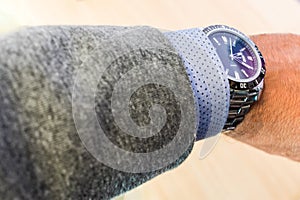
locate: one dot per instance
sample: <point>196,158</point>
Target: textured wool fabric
<point>42,156</point>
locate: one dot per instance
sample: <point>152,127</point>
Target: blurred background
<point>233,170</point>
<point>251,16</point>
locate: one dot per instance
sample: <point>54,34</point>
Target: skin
<point>273,124</point>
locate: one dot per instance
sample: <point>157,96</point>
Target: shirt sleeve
<point>207,77</point>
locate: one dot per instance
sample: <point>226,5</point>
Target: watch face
<point>239,58</point>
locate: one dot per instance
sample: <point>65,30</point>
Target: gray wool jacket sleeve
<point>41,153</point>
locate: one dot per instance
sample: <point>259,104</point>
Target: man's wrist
<point>273,122</point>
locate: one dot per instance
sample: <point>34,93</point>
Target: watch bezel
<point>242,85</point>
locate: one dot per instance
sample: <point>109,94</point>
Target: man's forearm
<point>273,123</point>
<point>42,156</point>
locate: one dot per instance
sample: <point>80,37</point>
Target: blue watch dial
<point>237,56</point>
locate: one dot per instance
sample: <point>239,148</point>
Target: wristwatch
<point>245,69</point>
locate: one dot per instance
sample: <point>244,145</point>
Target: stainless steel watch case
<point>242,94</point>
<point>256,83</point>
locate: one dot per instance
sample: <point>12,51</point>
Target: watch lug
<point>259,89</point>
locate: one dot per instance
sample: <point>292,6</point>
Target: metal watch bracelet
<point>240,103</point>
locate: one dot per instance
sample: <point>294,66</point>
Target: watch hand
<point>231,53</point>
<point>242,63</point>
